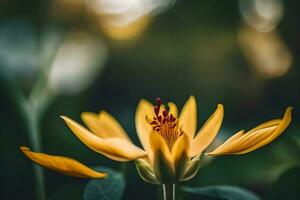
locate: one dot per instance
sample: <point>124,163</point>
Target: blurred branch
<point>31,109</point>
<point>29,115</point>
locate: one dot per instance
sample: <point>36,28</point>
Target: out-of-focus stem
<point>34,108</point>
<point>35,140</point>
<point>29,114</point>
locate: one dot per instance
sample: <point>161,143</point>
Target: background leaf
<point>110,188</point>
<point>287,186</point>
<point>224,192</point>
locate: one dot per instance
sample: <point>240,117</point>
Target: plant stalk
<point>169,191</point>
<point>34,108</point>
<point>35,140</point>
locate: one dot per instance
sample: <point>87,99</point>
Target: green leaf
<point>287,186</point>
<point>110,188</point>
<point>223,192</point>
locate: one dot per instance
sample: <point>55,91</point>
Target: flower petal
<point>188,117</point>
<point>162,160</point>
<point>232,141</point>
<point>246,140</point>
<point>173,109</point>
<point>115,148</point>
<point>180,147</point>
<point>143,127</point>
<point>255,138</point>
<point>104,125</point>
<point>274,122</point>
<point>228,143</point>
<point>208,132</point>
<point>64,165</point>
<point>281,127</point>
<point>180,156</point>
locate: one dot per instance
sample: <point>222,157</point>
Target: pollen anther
<point>165,124</point>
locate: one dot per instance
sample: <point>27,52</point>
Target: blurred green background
<point>88,56</point>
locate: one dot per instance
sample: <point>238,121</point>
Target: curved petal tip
<point>263,134</point>
<point>63,165</point>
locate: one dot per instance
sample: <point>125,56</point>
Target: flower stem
<point>35,140</point>
<point>33,110</point>
<point>169,191</point>
<point>31,120</point>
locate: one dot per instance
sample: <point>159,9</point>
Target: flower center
<point>165,124</point>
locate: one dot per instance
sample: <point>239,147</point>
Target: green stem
<point>34,108</point>
<point>169,191</point>
<point>40,182</point>
<point>35,140</point>
<point>30,117</point>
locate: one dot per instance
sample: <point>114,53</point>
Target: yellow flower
<point>171,148</point>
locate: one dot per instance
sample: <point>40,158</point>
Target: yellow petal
<point>180,147</point>
<point>208,132</point>
<point>62,165</point>
<point>255,138</point>
<point>232,142</point>
<point>173,109</point>
<point>180,156</point>
<point>162,163</point>
<point>114,148</point>
<point>281,127</point>
<point>188,117</point>
<point>158,143</point>
<point>274,122</point>
<point>143,127</point>
<point>247,140</point>
<point>104,125</point>
<point>228,143</point>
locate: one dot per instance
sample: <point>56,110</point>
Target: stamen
<point>156,109</point>
<point>165,113</point>
<point>165,124</point>
<point>158,101</point>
